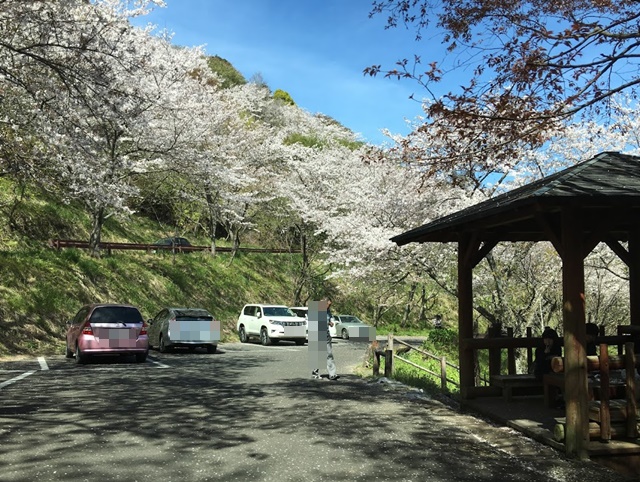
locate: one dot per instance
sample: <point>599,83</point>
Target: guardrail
<point>71,243</point>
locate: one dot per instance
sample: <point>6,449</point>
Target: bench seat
<point>520,382</point>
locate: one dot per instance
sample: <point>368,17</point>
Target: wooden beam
<point>590,243</point>
<point>484,250</point>
<point>618,249</point>
<point>552,236</point>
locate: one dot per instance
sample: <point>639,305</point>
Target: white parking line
<point>272,347</point>
<point>15,379</point>
<point>260,349</point>
<point>161,365</point>
<point>43,363</point>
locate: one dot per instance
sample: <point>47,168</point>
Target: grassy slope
<point>41,288</point>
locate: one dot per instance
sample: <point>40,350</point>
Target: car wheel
<point>243,335</point>
<point>161,346</point>
<point>141,357</point>
<point>212,348</point>
<point>299,342</point>
<point>345,334</point>
<point>264,337</point>
<point>80,358</point>
<point>69,353</point>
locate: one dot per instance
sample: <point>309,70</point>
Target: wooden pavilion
<point>575,209</point>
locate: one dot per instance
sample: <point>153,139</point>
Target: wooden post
<point>388,357</point>
<point>443,374</point>
<point>529,350</point>
<point>574,320</point>
<point>632,408</point>
<point>495,354</point>
<point>605,412</point>
<point>634,277</point>
<point>619,333</point>
<point>376,363</point>
<point>466,247</point>
<point>511,354</point>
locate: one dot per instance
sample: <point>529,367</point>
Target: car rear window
<point>116,314</point>
<point>193,315</point>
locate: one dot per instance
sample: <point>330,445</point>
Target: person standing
<point>331,364</point>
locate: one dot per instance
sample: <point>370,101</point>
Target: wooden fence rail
<point>390,354</point>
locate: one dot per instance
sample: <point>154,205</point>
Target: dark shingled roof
<point>606,189</point>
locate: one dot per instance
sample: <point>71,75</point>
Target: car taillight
<point>87,330</point>
<point>143,330</point>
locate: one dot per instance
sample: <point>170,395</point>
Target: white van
<point>271,323</point>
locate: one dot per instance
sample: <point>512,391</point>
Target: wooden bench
<point>554,385</point>
<point>523,381</point>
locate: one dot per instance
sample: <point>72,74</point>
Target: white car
<point>271,323</point>
<point>302,312</point>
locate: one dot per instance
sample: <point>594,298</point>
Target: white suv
<point>271,323</point>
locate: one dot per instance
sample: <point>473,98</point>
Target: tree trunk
<point>96,231</point>
<point>303,276</point>
<point>407,308</point>
<point>422,315</point>
<point>213,219</point>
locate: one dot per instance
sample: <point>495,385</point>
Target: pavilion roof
<point>606,189</point>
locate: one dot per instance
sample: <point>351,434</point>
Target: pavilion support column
<point>465,314</point>
<point>573,315</point>
<point>634,278</point>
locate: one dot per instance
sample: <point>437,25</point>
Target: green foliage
<point>283,96</point>
<point>306,141</point>
<point>230,76</point>
<point>351,145</point>
<point>443,338</point>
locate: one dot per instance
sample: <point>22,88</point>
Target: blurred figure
<point>320,319</point>
<point>592,332</point>
<point>437,321</point>
<point>551,348</point>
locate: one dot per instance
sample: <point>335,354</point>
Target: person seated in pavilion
<point>544,354</point>
<point>592,331</point>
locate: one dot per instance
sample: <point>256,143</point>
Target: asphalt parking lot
<point>247,412</point>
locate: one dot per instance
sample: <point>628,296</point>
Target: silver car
<point>349,326</point>
<point>184,327</point>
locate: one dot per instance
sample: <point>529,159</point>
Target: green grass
<point>41,288</point>
<point>440,343</point>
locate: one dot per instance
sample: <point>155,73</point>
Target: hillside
<point>41,288</point>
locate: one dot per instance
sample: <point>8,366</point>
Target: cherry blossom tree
<point>524,66</point>
<point>107,98</point>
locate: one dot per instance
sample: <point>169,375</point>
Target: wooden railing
<point>107,246</point>
<point>495,345</point>
<point>390,354</point>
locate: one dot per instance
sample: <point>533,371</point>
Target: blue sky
<point>314,49</point>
